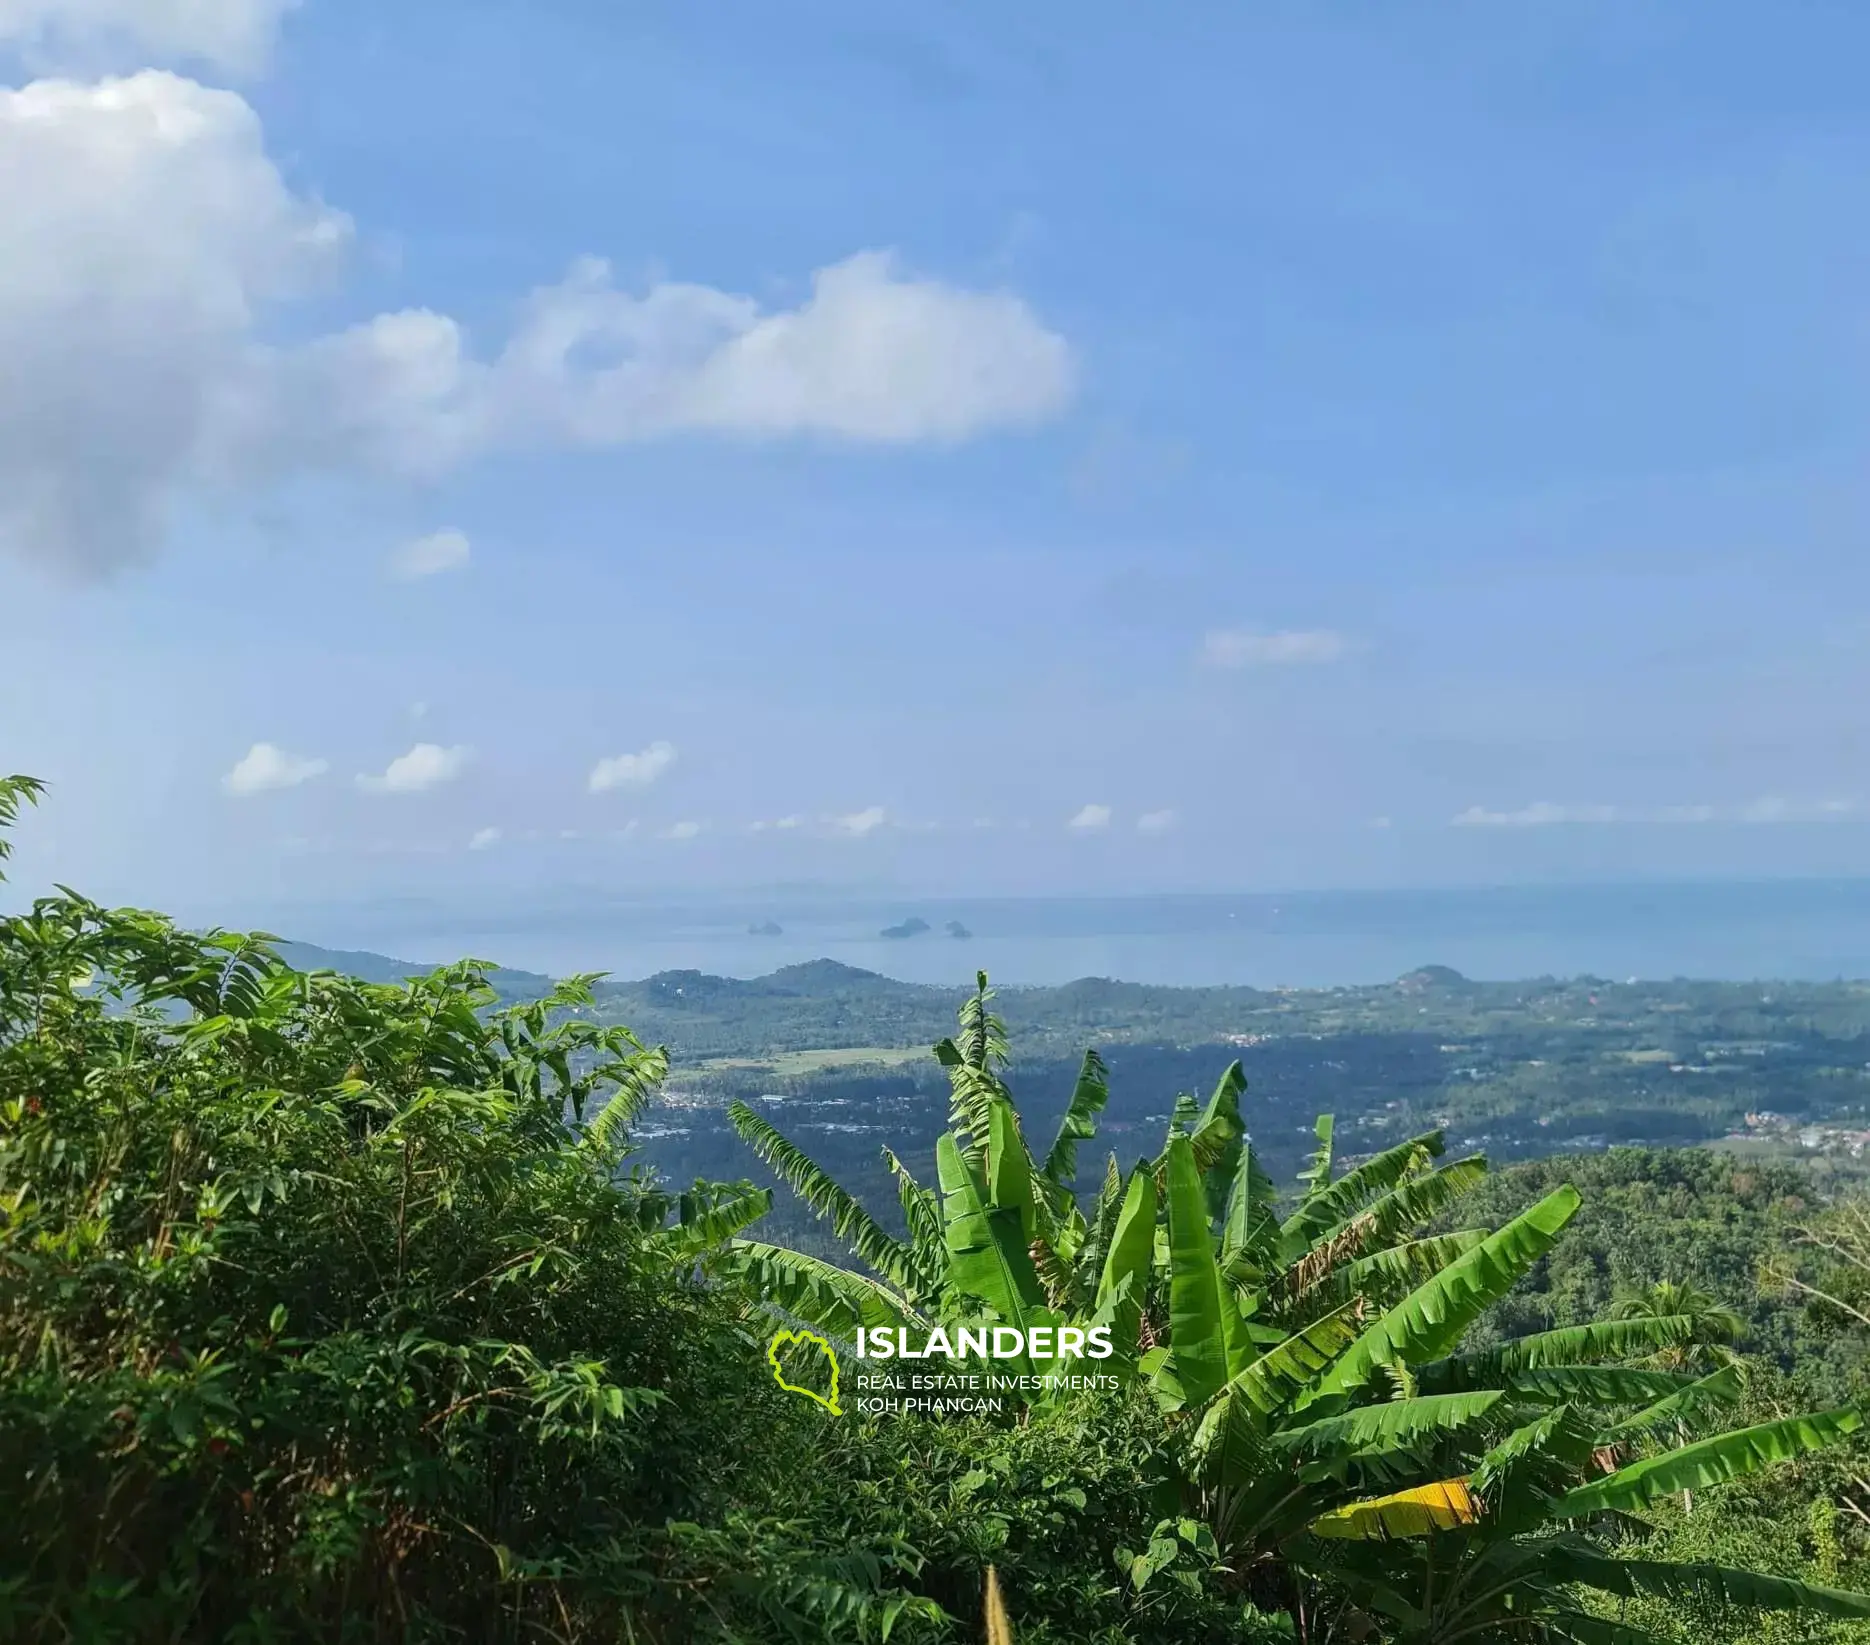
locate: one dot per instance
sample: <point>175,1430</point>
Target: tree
<point>1716,1326</point>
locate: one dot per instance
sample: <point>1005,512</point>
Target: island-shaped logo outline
<point>780,1339</point>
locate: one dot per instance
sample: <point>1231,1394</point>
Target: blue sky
<point>1261,446</point>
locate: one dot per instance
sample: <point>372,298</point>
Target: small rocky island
<point>958,931</point>
<point>911,927</point>
<point>765,928</point>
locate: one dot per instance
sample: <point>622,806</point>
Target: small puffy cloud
<point>681,831</point>
<point>859,823</point>
<point>429,556</point>
<point>484,839</point>
<point>1090,817</point>
<point>426,766</point>
<point>267,766</point>
<point>1155,822</point>
<point>1244,648</point>
<point>872,355</point>
<point>632,770</point>
<point>236,35</point>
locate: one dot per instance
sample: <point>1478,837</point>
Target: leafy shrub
<point>318,1315</point>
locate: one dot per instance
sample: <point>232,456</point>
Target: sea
<point>1805,929</point>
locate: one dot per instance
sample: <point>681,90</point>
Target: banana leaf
<point>1197,1330</point>
<point>987,1255</point>
<point>1088,1098</point>
<point>1009,1167</point>
<point>1433,1317</point>
<point>1703,1584</point>
<point>852,1223</point>
<point>1573,1344</point>
<point>1398,1422</point>
<point>1330,1207</point>
<point>1316,1176</point>
<point>1218,1139</point>
<point>1709,1462</point>
<point>1423,1509</point>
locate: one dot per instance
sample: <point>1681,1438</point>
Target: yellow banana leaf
<point>1439,1507</point>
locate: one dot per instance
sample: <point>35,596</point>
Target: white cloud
<point>859,823</point>
<point>1155,822</point>
<point>146,234</point>
<point>1379,822</point>
<point>872,356</point>
<point>484,838</point>
<point>1771,809</point>
<point>267,766</point>
<point>1540,814</point>
<point>231,34</point>
<point>1090,817</point>
<point>426,766</point>
<point>152,246</point>
<point>681,831</point>
<point>632,770</point>
<point>1774,810</point>
<point>429,556</point>
<point>1243,648</point>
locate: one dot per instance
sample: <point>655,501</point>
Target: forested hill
<point>1516,1069</point>
<point>823,1004</point>
<point>369,967</point>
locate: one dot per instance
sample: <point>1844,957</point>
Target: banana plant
<point>1477,1476</point>
<point>1512,1547</point>
<point>1324,1418</point>
<point>1003,1233</point>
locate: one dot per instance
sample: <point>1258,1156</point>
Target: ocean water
<point>1786,929</point>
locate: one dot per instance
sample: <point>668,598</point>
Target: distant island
<point>765,928</point>
<point>911,927</point>
<point>958,931</point>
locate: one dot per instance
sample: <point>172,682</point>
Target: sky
<point>474,447</point>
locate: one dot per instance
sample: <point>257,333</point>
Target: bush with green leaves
<point>332,1311</point>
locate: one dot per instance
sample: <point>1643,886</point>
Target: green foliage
<point>342,1311</point>
<point>1493,1466</point>
<point>14,792</point>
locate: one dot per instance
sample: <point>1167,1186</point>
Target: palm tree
<point>1717,1327</point>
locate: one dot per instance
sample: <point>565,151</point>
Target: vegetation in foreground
<point>332,1310</point>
